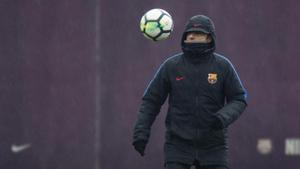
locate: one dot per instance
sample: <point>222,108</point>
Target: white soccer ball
<point>156,24</point>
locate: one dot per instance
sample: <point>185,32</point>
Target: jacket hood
<point>200,23</point>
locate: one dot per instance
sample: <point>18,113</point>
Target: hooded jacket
<point>202,92</point>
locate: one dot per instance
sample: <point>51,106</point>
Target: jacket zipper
<point>197,113</point>
<point>198,131</point>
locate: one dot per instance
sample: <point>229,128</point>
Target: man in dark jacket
<point>205,97</point>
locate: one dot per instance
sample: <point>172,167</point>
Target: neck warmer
<point>198,52</point>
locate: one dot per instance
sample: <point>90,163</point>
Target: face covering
<point>198,52</point>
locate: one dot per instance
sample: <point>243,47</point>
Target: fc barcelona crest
<point>212,78</point>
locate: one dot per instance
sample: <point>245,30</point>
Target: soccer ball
<point>156,24</point>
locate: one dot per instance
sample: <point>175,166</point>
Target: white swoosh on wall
<point>19,148</point>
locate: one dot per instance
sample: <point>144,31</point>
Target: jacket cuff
<point>221,122</point>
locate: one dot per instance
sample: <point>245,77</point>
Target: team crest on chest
<point>212,78</point>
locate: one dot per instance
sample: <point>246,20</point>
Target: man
<point>205,97</point>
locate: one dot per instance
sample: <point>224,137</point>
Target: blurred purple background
<point>73,74</point>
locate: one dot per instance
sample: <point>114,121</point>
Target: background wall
<point>47,83</point>
<point>73,74</point>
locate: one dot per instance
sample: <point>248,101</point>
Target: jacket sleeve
<point>153,98</point>
<point>235,95</point>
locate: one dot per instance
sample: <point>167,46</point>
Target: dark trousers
<point>185,166</point>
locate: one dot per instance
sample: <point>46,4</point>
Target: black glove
<point>140,146</point>
<point>217,125</point>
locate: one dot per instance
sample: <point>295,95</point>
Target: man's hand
<point>140,146</point>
